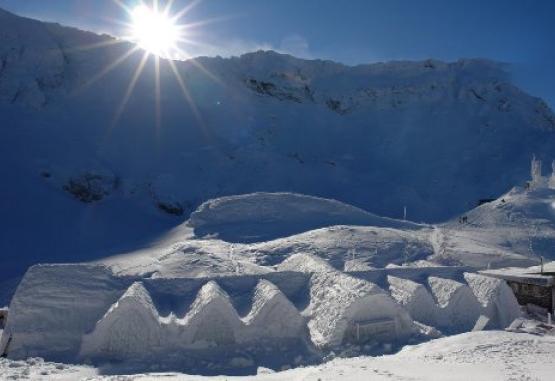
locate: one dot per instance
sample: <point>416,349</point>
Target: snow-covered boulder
<point>415,297</point>
<point>272,315</point>
<point>339,302</point>
<point>458,307</point>
<point>498,301</point>
<point>130,328</point>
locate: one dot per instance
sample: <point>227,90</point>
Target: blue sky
<point>520,32</point>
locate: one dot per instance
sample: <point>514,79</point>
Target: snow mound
<point>264,216</point>
<point>498,301</point>
<point>306,263</point>
<point>272,315</point>
<point>415,298</point>
<point>458,307</point>
<point>338,302</point>
<point>129,329</point>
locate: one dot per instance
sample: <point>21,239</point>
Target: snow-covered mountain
<point>81,180</point>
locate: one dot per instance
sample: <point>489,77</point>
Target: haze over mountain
<point>81,180</point>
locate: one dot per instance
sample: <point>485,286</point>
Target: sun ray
<point>97,45</point>
<point>109,68</point>
<point>199,66</point>
<point>157,93</point>
<point>168,8</point>
<point>186,94</point>
<point>178,15</point>
<point>130,88</point>
<point>201,23</point>
<point>122,5</point>
<point>191,42</point>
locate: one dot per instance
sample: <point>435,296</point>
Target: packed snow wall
<point>87,313</point>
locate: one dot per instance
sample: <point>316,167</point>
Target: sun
<point>154,31</point>
<point>159,32</point>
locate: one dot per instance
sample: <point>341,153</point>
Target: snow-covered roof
<point>529,275</point>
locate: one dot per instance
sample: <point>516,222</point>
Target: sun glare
<point>160,32</point>
<point>154,31</point>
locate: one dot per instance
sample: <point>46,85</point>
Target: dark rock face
<point>271,89</point>
<point>175,208</point>
<point>91,187</point>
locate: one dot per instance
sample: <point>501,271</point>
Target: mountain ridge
<point>89,172</point>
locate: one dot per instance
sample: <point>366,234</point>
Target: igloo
<point>346,309</point>
<point>130,328</point>
<point>458,307</point>
<point>272,315</point>
<point>415,298</point>
<point>212,319</point>
<point>498,301</point>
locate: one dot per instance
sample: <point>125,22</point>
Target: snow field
<point>491,355</point>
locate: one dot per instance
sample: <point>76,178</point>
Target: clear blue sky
<point>521,32</point>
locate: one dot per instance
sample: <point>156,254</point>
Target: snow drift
<point>265,216</point>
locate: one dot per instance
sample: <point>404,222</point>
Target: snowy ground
<point>514,230</point>
<point>493,355</point>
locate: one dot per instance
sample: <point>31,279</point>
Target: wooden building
<point>530,286</point>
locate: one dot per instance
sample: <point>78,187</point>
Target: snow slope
<point>479,355</point>
<point>87,181</point>
<point>514,230</point>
